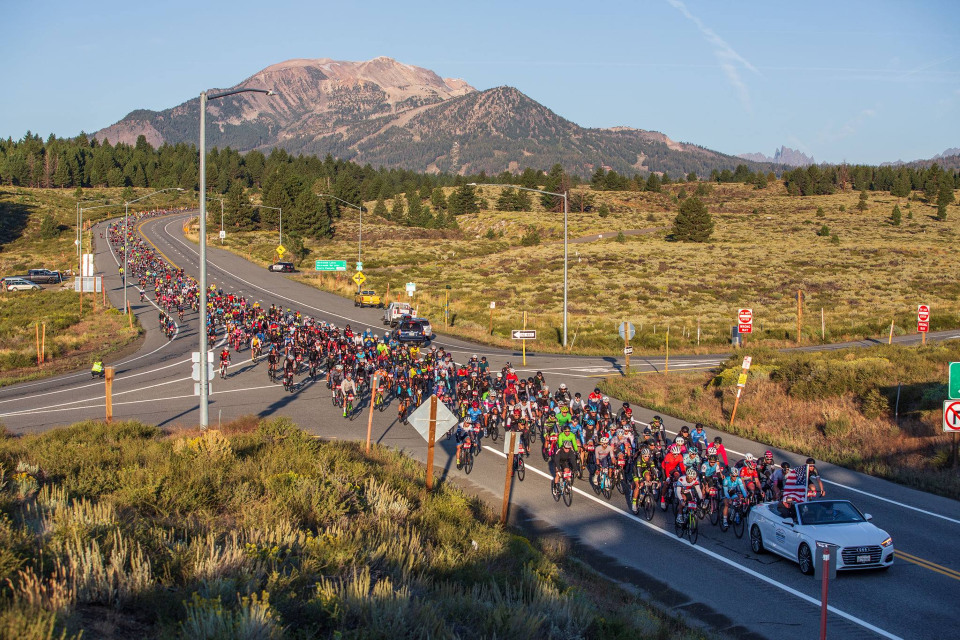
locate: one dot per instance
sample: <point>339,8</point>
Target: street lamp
<point>565,210</point>
<point>360,209</point>
<point>263,206</point>
<point>204,392</point>
<point>126,231</point>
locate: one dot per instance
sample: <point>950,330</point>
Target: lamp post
<point>204,392</point>
<point>565,213</point>
<point>126,252</point>
<point>358,208</point>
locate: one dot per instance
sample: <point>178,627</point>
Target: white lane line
<point>860,491</point>
<point>717,556</point>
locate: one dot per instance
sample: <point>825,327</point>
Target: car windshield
<point>409,326</point>
<point>369,293</point>
<point>829,512</point>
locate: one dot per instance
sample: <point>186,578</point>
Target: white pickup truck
<point>394,311</point>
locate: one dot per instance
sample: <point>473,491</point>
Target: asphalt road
<point>718,581</point>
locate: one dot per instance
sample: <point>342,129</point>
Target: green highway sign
<point>331,265</point>
<point>953,389</point>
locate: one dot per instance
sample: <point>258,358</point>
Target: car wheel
<point>756,540</point>
<point>805,558</point>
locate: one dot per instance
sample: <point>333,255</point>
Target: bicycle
<point>288,384</point>
<point>493,428</point>
<point>378,401</point>
<point>465,459</point>
<point>646,501</point>
<point>223,370</point>
<point>713,506</point>
<point>603,483</point>
<point>564,488</point>
<point>348,411</point>
<point>735,518</point>
<point>688,524</point>
<point>518,465</point>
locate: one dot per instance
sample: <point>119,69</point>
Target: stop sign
<point>745,316</point>
<point>923,313</point>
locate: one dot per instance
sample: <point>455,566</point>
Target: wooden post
<point>38,343</point>
<point>492,305</point>
<point>626,343</point>
<point>923,337</point>
<point>446,308</point>
<point>698,331</point>
<point>823,326</point>
<point>956,439</point>
<point>386,298</point>
<point>824,590</point>
<point>373,394</point>
<point>108,384</point>
<point>890,337</point>
<point>431,439</point>
<point>508,479</point>
<point>43,345</point>
<point>103,290</point>
<point>799,314</point>
<point>524,342</point>
<point>129,314</point>
<point>736,403</point>
<point>666,362</point>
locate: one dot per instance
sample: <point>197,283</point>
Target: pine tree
<point>691,177</point>
<point>653,183</point>
<point>237,210</point>
<point>862,203</point>
<point>665,179</point>
<point>380,209</point>
<point>463,200</point>
<point>522,202</point>
<point>944,196</point>
<point>693,223</point>
<point>895,217</point>
<point>414,210</point>
<point>506,201</point>
<point>438,200</point>
<point>49,228</point>
<point>901,186</point>
<point>61,177</point>
<point>760,180</point>
<point>397,210</point>
<point>599,179</point>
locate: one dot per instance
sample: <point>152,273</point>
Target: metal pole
<point>126,252</point>
<point>280,209</point>
<point>823,593</point>
<point>221,220</point>
<point>360,238</point>
<point>565,208</point>
<point>79,259</point>
<point>204,399</point>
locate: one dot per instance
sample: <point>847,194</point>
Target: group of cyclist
<point>578,434</point>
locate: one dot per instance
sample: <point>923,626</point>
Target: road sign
<point>745,328</point>
<point>76,242</point>
<point>359,278</point>
<point>196,388</point>
<point>506,443</point>
<point>923,313</point>
<point>493,305</point>
<point>747,361</point>
<point>523,334</point>
<point>196,371</point>
<point>359,266</point>
<point>627,351</point>
<point>330,265</point>
<point>923,327</point>
<point>628,329</point>
<point>223,234</point>
<point>951,416</point>
<point>281,250</point>
<point>745,316</point>
<point>411,288</point>
<point>742,380</point>
<point>195,356</point>
<point>420,419</point>
<point>953,389</point>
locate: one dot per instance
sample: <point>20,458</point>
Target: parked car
<point>282,267</point>
<point>367,299</point>
<point>427,329</point>
<point>19,284</point>
<point>43,276</point>
<point>837,522</point>
<point>409,330</point>
<point>395,311</point>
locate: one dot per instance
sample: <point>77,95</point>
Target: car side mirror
<point>867,517</point>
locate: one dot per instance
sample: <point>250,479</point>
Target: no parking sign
<point>951,416</point>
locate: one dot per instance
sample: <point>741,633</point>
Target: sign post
<point>431,440</point>
<point>923,322</point>
<point>523,335</point>
<point>426,419</point>
<point>108,385</point>
<point>951,421</point>
<point>799,314</point>
<point>493,305</point>
<point>741,383</point>
<point>826,568</point>
<point>524,342</point>
<point>627,331</point>
<point>512,450</point>
<point>373,394</point>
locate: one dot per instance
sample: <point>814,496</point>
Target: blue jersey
<point>699,436</point>
<point>733,486</point>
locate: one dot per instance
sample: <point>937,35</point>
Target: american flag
<point>795,484</point>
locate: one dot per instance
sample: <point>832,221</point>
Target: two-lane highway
<point>719,581</point>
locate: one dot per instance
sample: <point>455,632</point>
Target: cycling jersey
<point>641,467</point>
<point>565,460</point>
<point>732,487</point>
<point>673,462</point>
<point>568,437</point>
<point>686,484</point>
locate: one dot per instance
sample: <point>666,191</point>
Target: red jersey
<point>673,462</point>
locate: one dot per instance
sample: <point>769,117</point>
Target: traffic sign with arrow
<point>281,250</point>
<point>359,278</point>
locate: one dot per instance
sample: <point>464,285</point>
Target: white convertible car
<point>836,522</point>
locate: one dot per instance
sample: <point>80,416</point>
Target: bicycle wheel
<point>567,494</point>
<point>521,469</point>
<point>621,486</point>
<point>648,508</point>
<point>545,453</point>
<point>738,523</point>
<point>714,512</point>
<point>555,490</point>
<point>494,432</point>
<point>693,530</point>
<point>607,489</point>
<point>678,528</point>
<point>468,463</point>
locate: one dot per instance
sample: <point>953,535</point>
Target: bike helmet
<point>748,458</point>
<point>679,440</point>
<point>563,385</point>
<point>699,425</point>
<point>606,399</point>
<point>647,431</point>
<point>516,413</point>
<point>718,440</point>
<point>768,455</point>
<point>712,457</point>
<point>596,389</point>
<point>604,440</point>
<point>691,473</point>
<point>499,375</point>
<point>567,444</point>
<point>711,450</point>
<point>476,405</point>
<point>656,419</point>
<point>644,453</point>
<point>675,449</point>
<point>619,433</point>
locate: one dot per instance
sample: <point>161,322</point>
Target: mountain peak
<point>783,155</point>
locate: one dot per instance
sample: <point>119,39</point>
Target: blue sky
<point>840,80</point>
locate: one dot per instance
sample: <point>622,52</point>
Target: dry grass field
<point>765,247</point>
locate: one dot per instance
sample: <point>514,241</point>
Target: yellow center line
<point>926,564</point>
<point>143,235</point>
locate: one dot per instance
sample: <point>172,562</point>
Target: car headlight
<point>887,542</point>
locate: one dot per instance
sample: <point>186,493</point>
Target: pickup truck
<point>395,311</point>
<point>43,276</point>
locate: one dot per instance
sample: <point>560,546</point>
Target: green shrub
<point>874,404</point>
<point>810,379</point>
<point>824,232</point>
<point>531,238</point>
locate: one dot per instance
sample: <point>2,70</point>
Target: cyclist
<point>224,360</point>
<point>688,487</point>
<point>699,438</point>
<point>289,367</point>
<point>732,487</point>
<point>603,456</point>
<point>672,468</point>
<point>347,387</point>
<point>564,458</point>
<point>568,436</point>
<point>97,368</point>
<point>749,477</point>
<point>644,470</point>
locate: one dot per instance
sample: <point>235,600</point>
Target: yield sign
<point>359,278</point>
<point>420,419</point>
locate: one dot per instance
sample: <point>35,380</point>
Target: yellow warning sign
<point>359,278</point>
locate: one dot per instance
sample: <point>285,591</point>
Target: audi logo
<point>862,549</point>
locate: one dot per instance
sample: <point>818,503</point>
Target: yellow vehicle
<point>367,299</point>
